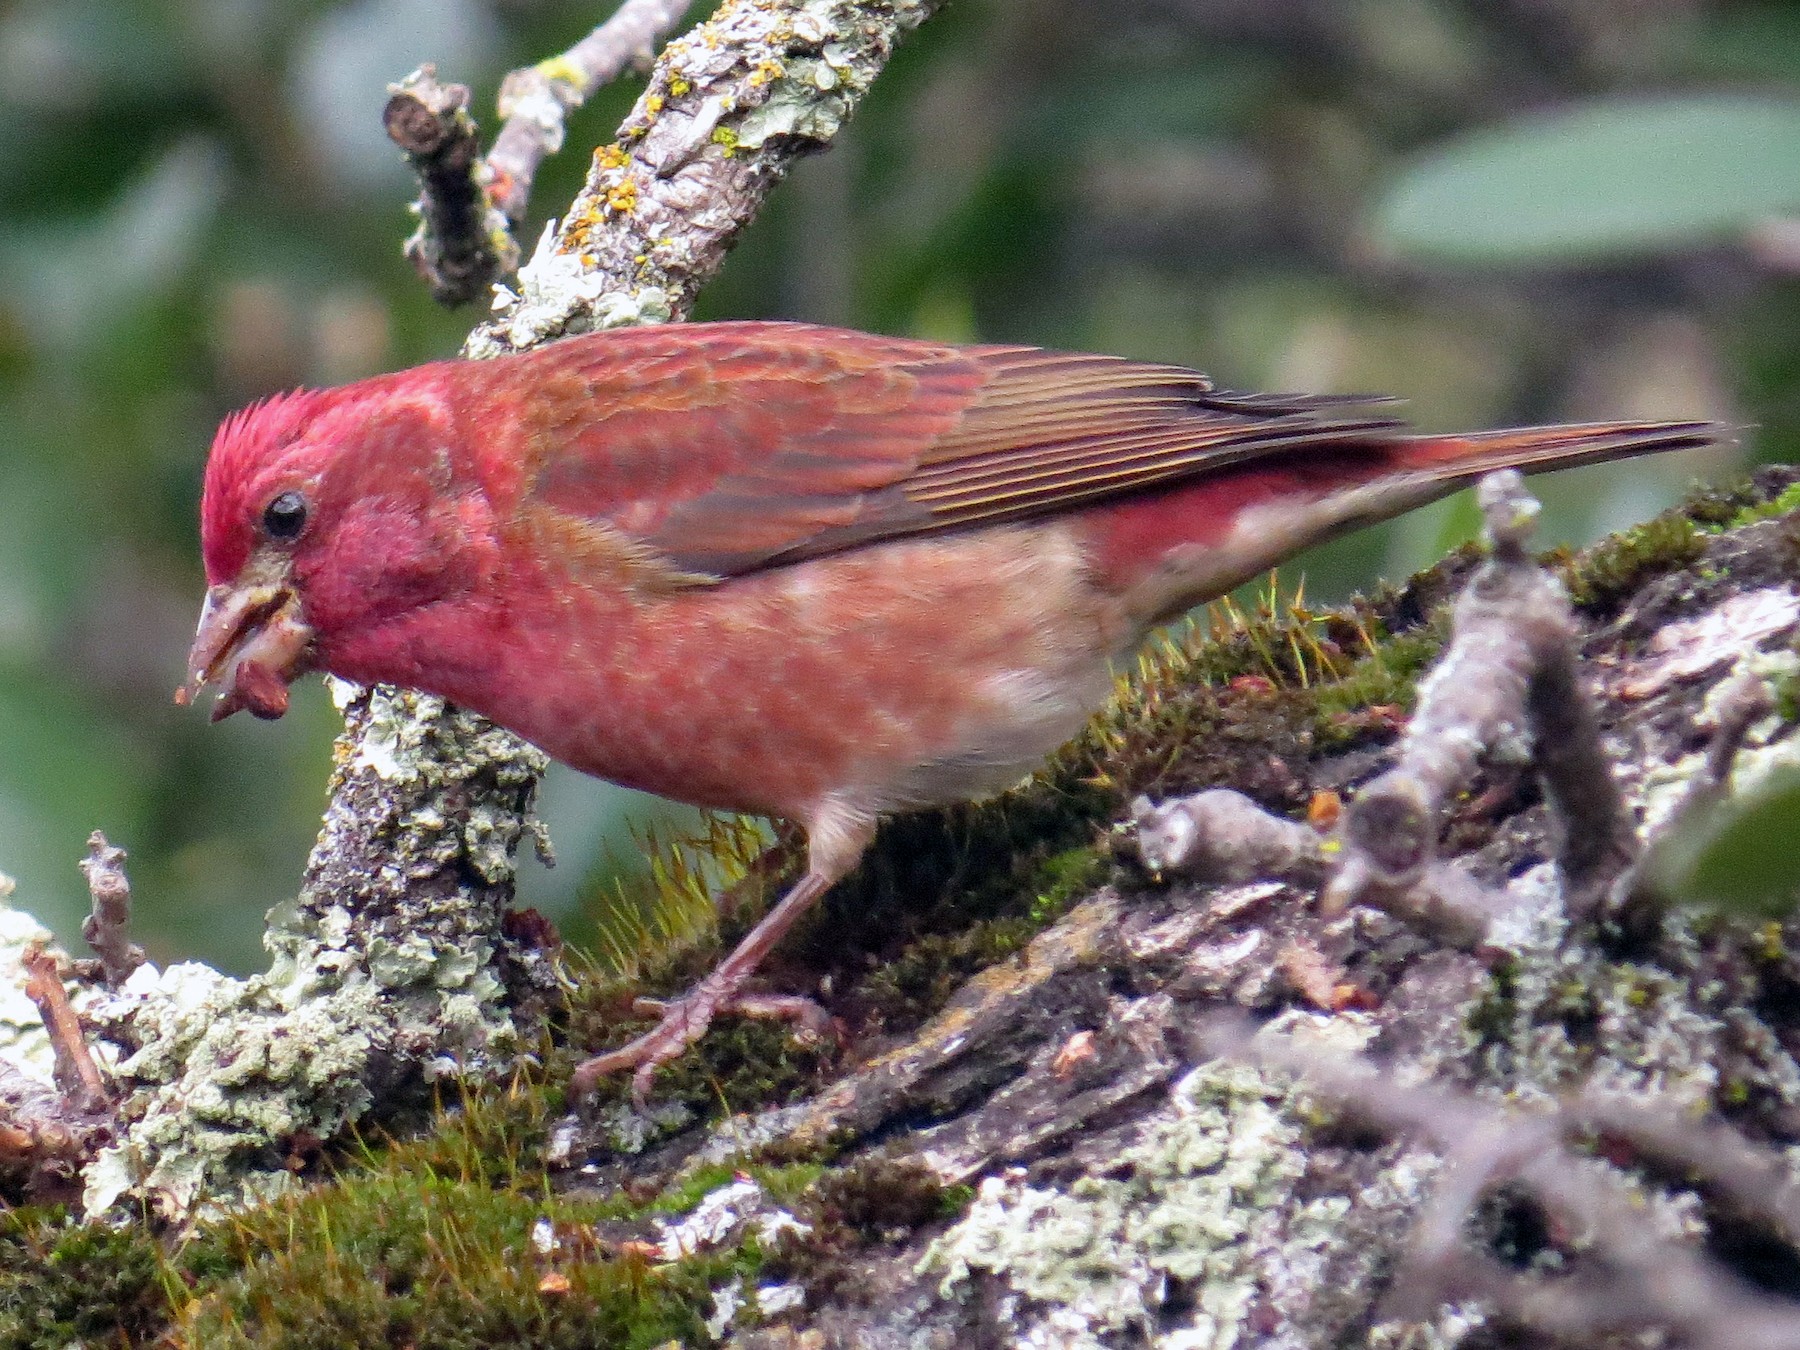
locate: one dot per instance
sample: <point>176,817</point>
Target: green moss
<point>1387,676</point>
<point>412,1258</point>
<point>1064,878</point>
<point>65,1284</point>
<point>1785,503</point>
<point>457,1239</point>
<point>1617,566</point>
<point>877,1198</point>
<point>492,1137</point>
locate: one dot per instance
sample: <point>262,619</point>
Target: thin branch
<point>536,100</point>
<point>1741,700</point>
<point>462,244</point>
<point>470,209</point>
<point>77,1075</point>
<point>1439,899</point>
<point>1628,1277</point>
<point>1222,836</point>
<point>729,107</point>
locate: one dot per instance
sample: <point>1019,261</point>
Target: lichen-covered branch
<point>463,243</point>
<point>728,109</point>
<point>536,100</point>
<point>390,970</point>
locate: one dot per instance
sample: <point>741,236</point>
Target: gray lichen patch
<point>24,1044</point>
<point>1197,1213</point>
<point>387,969</point>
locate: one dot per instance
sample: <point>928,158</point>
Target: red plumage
<point>801,571</point>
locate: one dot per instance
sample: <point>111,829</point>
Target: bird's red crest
<point>247,442</point>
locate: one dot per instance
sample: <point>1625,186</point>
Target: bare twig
<point>536,100</point>
<point>108,929</point>
<point>77,1075</point>
<point>462,244</point>
<point>1627,1277</point>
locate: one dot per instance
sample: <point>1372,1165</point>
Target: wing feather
<point>725,448</point>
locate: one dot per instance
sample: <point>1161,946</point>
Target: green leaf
<point>1739,857</point>
<point>1609,179</point>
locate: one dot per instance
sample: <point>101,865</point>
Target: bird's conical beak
<point>253,642</point>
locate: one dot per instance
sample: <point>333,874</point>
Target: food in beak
<point>252,643</point>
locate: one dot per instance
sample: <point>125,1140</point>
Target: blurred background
<point>1500,210</point>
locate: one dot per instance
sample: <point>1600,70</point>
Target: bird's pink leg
<point>831,854</point>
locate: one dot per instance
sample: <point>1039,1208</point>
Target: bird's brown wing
<point>730,447</point>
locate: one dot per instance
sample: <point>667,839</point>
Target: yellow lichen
<point>678,86</point>
<point>561,70</point>
<point>611,156</point>
<point>766,71</point>
<point>653,104</point>
<point>622,196</point>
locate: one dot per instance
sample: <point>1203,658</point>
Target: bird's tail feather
<point>1462,458</point>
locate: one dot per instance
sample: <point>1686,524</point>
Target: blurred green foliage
<point>1739,856</point>
<point>1611,178</point>
<point>197,208</point>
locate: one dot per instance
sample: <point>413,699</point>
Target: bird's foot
<point>683,1021</point>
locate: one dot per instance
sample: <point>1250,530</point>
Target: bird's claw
<point>684,1020</point>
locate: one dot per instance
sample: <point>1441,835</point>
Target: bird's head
<point>325,516</point>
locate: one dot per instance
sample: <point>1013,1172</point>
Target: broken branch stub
<point>1510,670</point>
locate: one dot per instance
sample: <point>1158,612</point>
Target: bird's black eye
<point>285,516</point>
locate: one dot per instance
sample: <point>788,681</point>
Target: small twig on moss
<point>1220,836</point>
<point>108,929</point>
<point>536,100</point>
<point>462,244</point>
<point>77,1075</point>
<point>1628,1276</point>
<point>1510,667</point>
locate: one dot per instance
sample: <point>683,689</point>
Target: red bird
<point>781,569</point>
